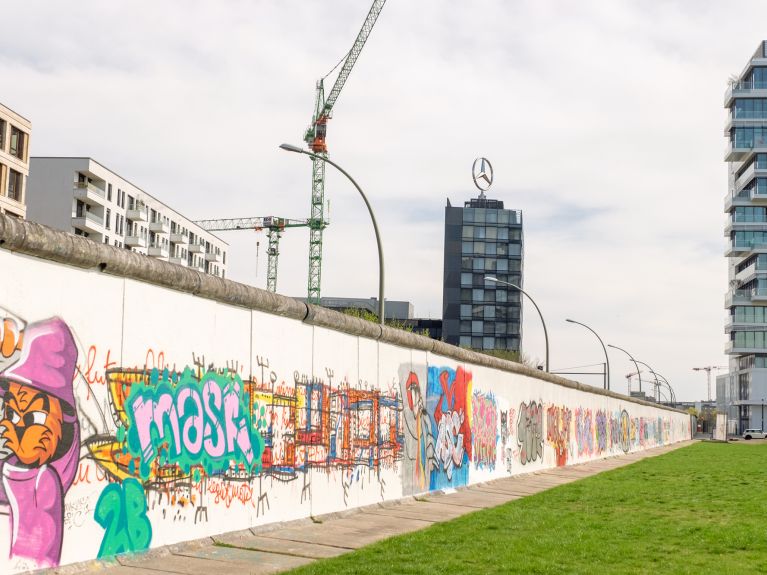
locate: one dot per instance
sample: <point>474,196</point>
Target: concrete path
<point>276,548</point>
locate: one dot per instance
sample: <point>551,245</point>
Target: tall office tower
<point>82,197</point>
<point>482,239</point>
<point>746,207</point>
<point>14,162</point>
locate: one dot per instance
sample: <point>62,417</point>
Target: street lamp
<point>639,373</point>
<point>297,150</point>
<point>655,375</point>
<point>607,359</point>
<point>545,333</point>
<point>670,389</point>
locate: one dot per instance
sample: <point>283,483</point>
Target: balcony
<point>137,212</point>
<point>747,274</point>
<point>212,257</point>
<point>89,193</point>
<point>737,249</point>
<point>178,238</point>
<point>739,222</point>
<point>135,241</point>
<point>196,249</point>
<point>744,90</point>
<point>178,261</point>
<point>158,251</point>
<point>89,222</point>
<point>737,296</point>
<point>159,227</point>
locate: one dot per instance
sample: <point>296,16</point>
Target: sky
<point>603,120</point>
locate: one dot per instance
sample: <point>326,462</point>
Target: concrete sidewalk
<point>275,548</point>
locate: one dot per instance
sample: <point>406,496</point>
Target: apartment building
<point>742,393</point>
<point>83,197</point>
<point>14,162</point>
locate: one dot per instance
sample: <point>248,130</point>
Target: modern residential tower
<point>743,392</point>
<point>80,196</point>
<point>482,239</point>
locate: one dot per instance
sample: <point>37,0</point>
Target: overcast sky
<point>603,119</point>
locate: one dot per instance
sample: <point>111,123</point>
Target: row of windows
<point>493,312</point>
<point>490,249</point>
<point>748,239</point>
<point>749,214</point>
<point>488,342</point>
<point>750,108</point>
<point>480,327</point>
<point>749,361</point>
<point>478,295</point>
<point>750,314</point>
<point>759,259</point>
<point>489,216</point>
<point>748,137</point>
<point>757,78</point>
<point>750,339</point>
<point>490,264</point>
<point>469,279</point>
<point>14,187</point>
<point>759,161</point>
<point>490,234</point>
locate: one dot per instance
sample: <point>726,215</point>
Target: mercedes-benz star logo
<point>482,172</point>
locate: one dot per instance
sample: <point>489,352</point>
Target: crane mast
<point>274,227</point>
<point>315,139</point>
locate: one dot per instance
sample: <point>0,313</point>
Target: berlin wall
<point>143,404</point>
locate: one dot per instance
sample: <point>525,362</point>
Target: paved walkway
<point>275,548</point>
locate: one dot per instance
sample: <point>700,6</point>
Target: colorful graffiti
<point>121,511</point>
<point>506,449</point>
<point>558,421</point>
<point>484,429</point>
<point>420,458</point>
<point>584,431</point>
<point>530,432</point>
<point>447,401</point>
<point>39,437</point>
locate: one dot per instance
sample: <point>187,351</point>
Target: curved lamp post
<point>545,333</point>
<point>655,375</point>
<point>297,150</point>
<point>639,373</point>
<point>607,359</point>
<point>670,389</point>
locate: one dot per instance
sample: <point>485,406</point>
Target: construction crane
<point>315,139</point>
<point>708,369</point>
<point>274,226</point>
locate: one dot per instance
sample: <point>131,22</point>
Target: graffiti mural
<point>100,457</point>
<point>39,437</point>
<point>530,432</point>
<point>484,429</point>
<point>448,404</point>
<point>558,421</point>
<point>421,457</point>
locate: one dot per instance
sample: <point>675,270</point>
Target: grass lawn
<point>700,509</point>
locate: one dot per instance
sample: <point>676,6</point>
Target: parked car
<point>754,434</point>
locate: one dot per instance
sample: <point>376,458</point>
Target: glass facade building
<point>482,238</point>
<point>744,389</point>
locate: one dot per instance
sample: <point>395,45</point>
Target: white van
<point>754,434</point>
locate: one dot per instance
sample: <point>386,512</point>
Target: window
<point>108,220</point>
<point>478,264</point>
<point>465,341</point>
<point>476,327</point>
<point>515,249</point>
<point>106,240</point>
<point>468,215</point>
<point>488,343</point>
<point>479,248</point>
<point>467,232</point>
<point>500,296</point>
<point>479,232</point>
<point>477,295</point>
<point>2,135</point>
<point>109,192</point>
<point>489,312</point>
<point>17,143</point>
<point>465,311</point>
<point>491,233</point>
<point>466,248</point>
<point>492,216</point>
<point>466,278</point>
<point>479,215</point>
<point>15,180</point>
<point>490,249</point>
<point>503,217</point>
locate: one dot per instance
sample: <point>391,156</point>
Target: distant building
<point>482,238</point>
<point>81,196</point>
<point>14,162</point>
<point>393,309</point>
<point>746,230</point>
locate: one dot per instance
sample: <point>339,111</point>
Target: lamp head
<point>490,279</point>
<point>291,148</point>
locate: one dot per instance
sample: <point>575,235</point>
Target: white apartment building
<point>81,196</point>
<point>14,162</point>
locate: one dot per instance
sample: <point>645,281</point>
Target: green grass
<point>700,509</point>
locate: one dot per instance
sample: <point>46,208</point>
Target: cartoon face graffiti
<point>31,425</point>
<point>39,439</point>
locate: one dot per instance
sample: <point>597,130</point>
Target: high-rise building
<point>80,196</point>
<point>14,161</point>
<point>482,239</point>
<point>746,206</point>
